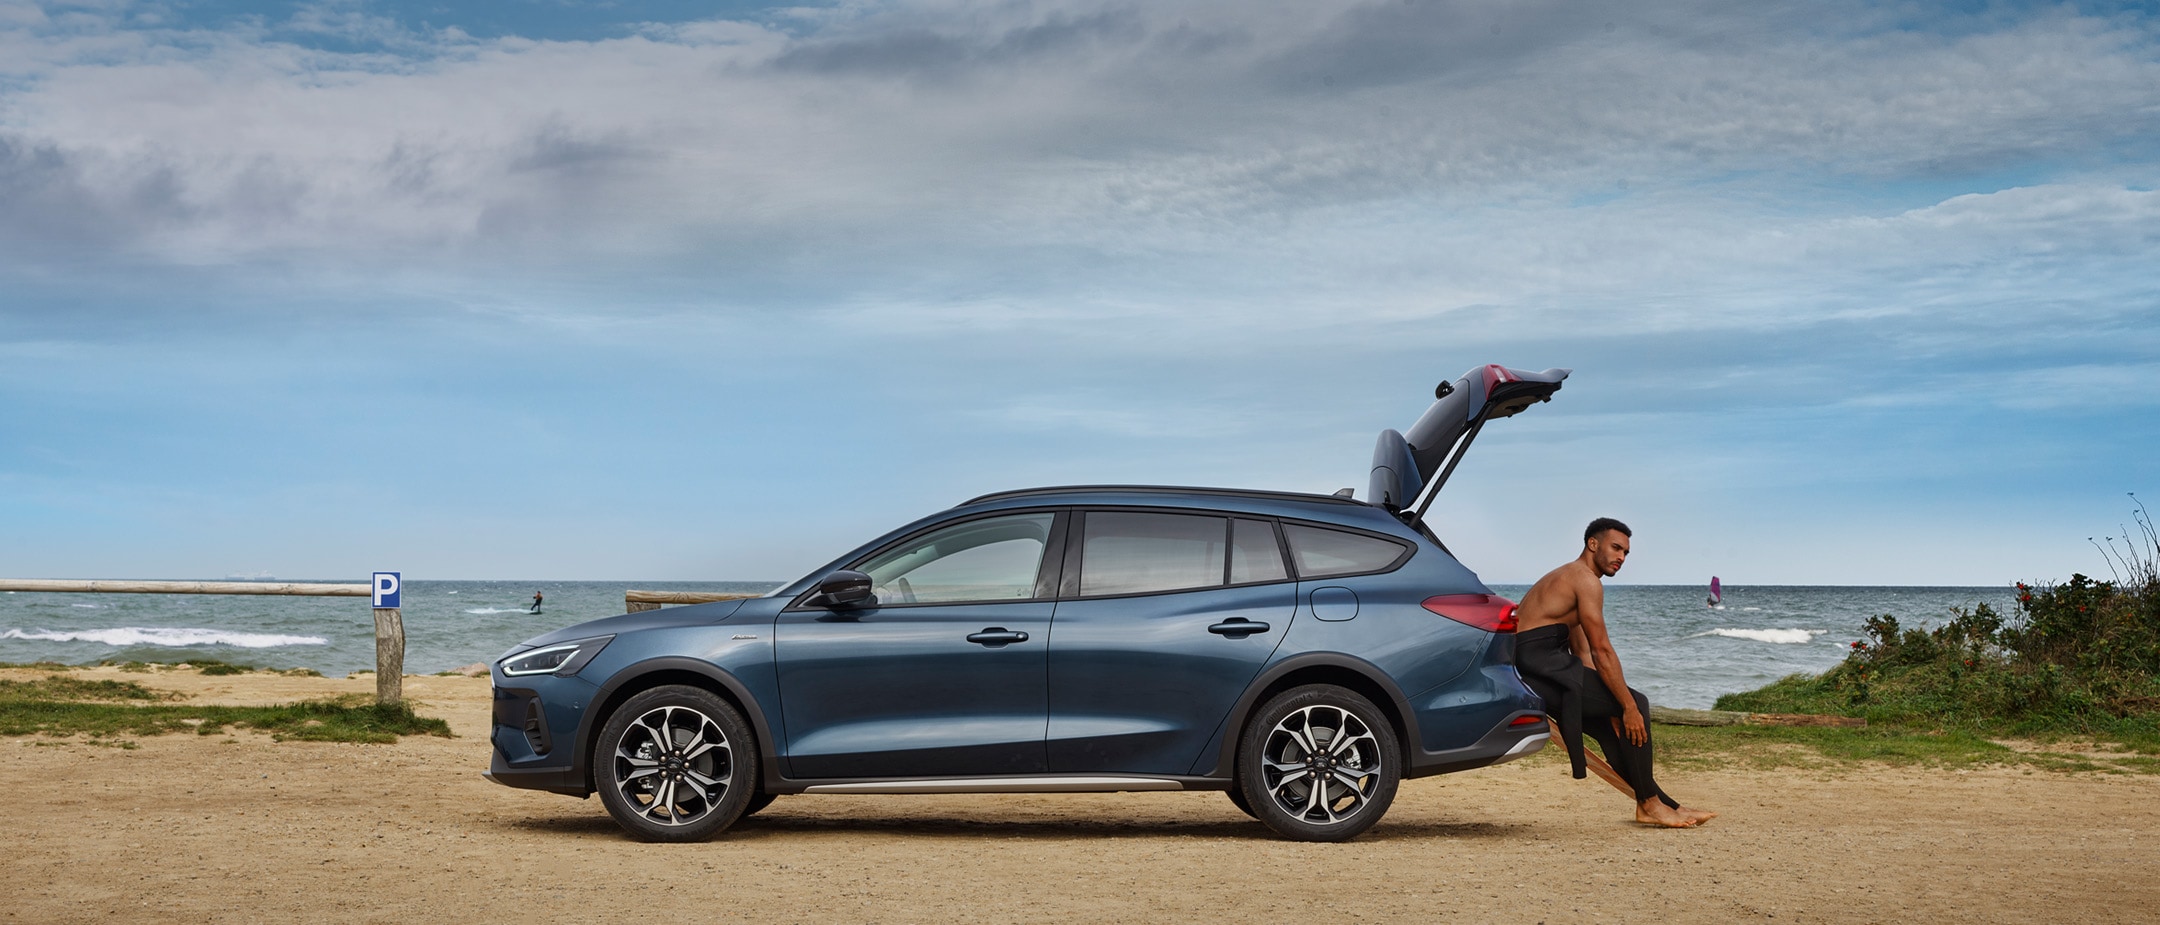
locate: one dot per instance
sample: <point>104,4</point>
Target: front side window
<point>1137,553</point>
<point>993,559</point>
<point>1320,552</point>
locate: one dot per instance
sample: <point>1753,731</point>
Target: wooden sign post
<point>389,590</point>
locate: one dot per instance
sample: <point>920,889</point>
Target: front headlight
<point>562,659</point>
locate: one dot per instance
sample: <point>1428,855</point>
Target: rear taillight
<point>1489,612</point>
<point>1525,720</point>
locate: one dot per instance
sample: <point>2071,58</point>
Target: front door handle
<point>997,636</point>
<point>1237,628</point>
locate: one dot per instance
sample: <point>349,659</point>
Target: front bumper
<point>534,736</point>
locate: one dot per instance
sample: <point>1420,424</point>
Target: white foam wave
<point>168,636</point>
<point>1751,609</point>
<point>1778,636</point>
<point>85,606</point>
<point>488,610</point>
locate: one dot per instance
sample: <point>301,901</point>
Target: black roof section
<point>1162,489</point>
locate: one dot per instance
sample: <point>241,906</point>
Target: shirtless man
<point>1565,656</point>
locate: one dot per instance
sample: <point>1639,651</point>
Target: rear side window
<point>1254,554</point>
<point>1321,552</point>
<point>1137,553</point>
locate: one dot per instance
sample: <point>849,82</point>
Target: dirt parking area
<point>239,828</point>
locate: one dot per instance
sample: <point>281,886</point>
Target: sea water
<point>448,624</point>
<point>1672,645</point>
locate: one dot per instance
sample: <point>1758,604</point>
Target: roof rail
<point>1162,489</point>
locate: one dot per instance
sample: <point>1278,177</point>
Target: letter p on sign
<point>387,588</point>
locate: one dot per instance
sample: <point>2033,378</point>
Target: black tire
<point>1321,732</point>
<point>675,764</point>
<point>757,802</point>
<point>1237,796</point>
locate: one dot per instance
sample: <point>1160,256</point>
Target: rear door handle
<point>1237,628</point>
<point>997,636</point>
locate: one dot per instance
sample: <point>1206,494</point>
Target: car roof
<point>1257,501</point>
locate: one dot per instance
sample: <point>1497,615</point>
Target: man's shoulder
<point>1558,585</point>
<point>1576,580</point>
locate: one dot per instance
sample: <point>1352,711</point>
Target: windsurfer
<point>1565,656</point>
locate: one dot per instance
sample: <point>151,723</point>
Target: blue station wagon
<point>1303,652</point>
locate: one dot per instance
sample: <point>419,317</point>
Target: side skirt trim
<point>1001,785</point>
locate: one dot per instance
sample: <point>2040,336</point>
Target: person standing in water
<point>1564,655</point>
<point>536,602</point>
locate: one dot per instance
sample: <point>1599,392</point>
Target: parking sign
<point>388,586</point>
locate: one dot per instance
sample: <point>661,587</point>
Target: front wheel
<point>1237,796</point>
<point>1319,763</point>
<point>675,764</point>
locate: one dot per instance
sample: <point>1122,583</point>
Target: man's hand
<point>1631,725</point>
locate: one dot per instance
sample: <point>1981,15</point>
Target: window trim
<point>1046,571</point>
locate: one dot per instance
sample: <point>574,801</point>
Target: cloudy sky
<point>1854,293</point>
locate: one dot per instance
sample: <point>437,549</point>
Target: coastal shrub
<point>2080,657</point>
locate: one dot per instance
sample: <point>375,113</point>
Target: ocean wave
<point>168,636</point>
<point>1777,636</point>
<point>489,610</point>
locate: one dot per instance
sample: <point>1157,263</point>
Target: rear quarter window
<point>1320,552</point>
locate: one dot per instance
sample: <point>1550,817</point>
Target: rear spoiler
<point>1437,442</point>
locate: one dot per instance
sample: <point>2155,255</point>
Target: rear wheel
<point>675,764</point>
<point>1319,763</point>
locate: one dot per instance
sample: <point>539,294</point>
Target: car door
<point>942,674</point>
<point>1164,618</point>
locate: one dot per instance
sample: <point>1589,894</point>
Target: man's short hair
<point>1603,524</point>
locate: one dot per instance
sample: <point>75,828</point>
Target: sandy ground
<point>240,828</point>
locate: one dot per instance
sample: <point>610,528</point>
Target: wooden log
<point>389,655</point>
<point>1596,765</point>
<point>1672,716</point>
<point>129,586</point>
<point>1803,719</point>
<point>632,599</point>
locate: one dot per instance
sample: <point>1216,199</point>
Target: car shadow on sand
<point>780,824</point>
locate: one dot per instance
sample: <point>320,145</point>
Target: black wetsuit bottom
<point>1580,704</point>
<point>1632,762</point>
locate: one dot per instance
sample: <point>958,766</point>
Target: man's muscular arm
<point>1590,605</point>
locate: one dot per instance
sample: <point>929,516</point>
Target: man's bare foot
<point>1699,816</point>
<point>1655,812</point>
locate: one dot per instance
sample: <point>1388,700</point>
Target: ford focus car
<point>1302,652</point>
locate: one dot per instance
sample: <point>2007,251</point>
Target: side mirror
<point>842,589</point>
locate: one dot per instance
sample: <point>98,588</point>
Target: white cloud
<point>1178,126</point>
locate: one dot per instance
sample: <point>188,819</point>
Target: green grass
<point>61,706</point>
<point>61,687</point>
